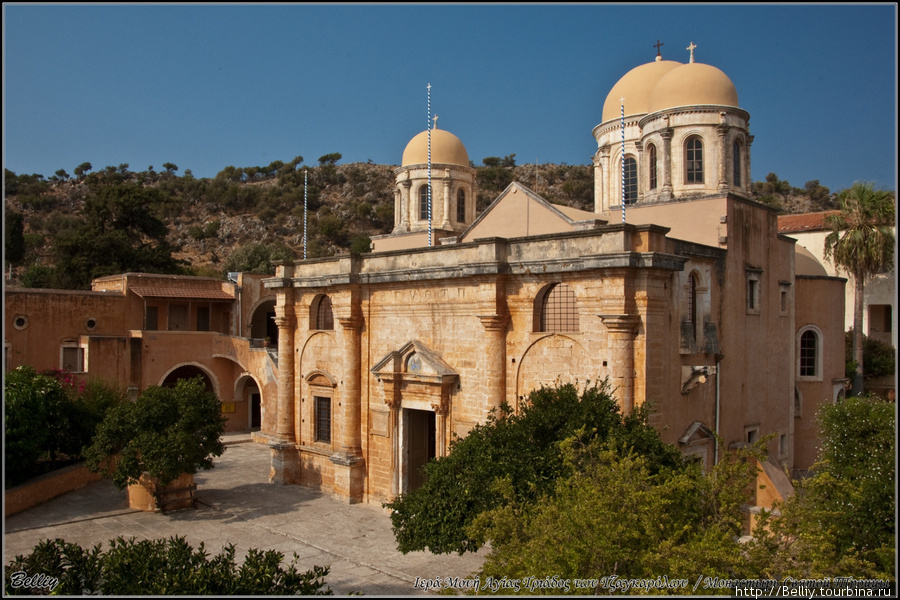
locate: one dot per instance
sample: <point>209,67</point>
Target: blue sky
<point>207,86</point>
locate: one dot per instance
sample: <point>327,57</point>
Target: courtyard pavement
<point>238,505</point>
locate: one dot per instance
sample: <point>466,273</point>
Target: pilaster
<point>495,359</point>
<point>621,330</point>
<point>349,465</point>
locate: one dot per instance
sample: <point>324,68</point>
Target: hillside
<point>244,218</point>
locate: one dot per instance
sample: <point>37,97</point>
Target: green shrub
<point>878,357</point>
<point>159,567</point>
<point>49,414</point>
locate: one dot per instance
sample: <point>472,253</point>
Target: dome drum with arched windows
<point>452,194</point>
<point>685,136</point>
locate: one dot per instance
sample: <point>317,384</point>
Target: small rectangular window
<point>752,436</point>
<point>753,290</point>
<point>783,445</point>
<point>323,419</point>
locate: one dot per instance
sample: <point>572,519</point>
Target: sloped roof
<point>519,211</point>
<point>192,293</point>
<point>804,222</point>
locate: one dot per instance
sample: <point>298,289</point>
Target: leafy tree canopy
<point>617,514</point>
<point>258,257</point>
<point>120,232</point>
<point>522,450</point>
<point>166,432</point>
<point>329,159</point>
<point>842,521</point>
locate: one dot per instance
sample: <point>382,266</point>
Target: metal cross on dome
<point>691,48</point>
<point>657,45</point>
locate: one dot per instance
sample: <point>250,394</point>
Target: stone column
<point>445,223</point>
<point>667,192</point>
<point>639,146</point>
<point>286,322</point>
<point>285,465</point>
<point>404,204</point>
<point>598,185</point>
<point>495,360</point>
<point>398,210</point>
<point>620,342</point>
<point>746,178</point>
<point>441,409</point>
<point>722,132</point>
<point>605,177</point>
<point>349,465</point>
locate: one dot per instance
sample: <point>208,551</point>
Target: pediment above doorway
<point>415,362</point>
<point>416,377</point>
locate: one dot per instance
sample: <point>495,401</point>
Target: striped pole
<point>622,100</point>
<point>429,164</point>
<point>304,214</point>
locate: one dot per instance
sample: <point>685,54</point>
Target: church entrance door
<point>419,445</point>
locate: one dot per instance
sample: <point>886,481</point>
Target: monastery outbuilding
<point>677,288</point>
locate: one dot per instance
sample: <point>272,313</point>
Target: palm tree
<point>861,243</point>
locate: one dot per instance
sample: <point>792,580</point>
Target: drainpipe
<point>716,446</point>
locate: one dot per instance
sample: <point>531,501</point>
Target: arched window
<point>557,310</point>
<point>323,318</point>
<point>693,163</point>
<point>653,172</point>
<point>631,181</point>
<point>736,159</point>
<point>461,206</point>
<point>809,354</point>
<point>423,203</point>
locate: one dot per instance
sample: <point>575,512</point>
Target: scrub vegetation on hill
<point>66,229</point>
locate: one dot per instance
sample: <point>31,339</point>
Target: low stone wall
<point>46,487</point>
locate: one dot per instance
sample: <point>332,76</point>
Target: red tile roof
<point>203,293</point>
<point>804,222</point>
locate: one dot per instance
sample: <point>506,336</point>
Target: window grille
<point>559,311</point>
<point>323,419</point>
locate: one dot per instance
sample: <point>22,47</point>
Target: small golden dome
<point>446,148</point>
<point>635,86</point>
<point>693,84</point>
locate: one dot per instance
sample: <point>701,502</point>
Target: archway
<point>188,372</point>
<point>262,323</point>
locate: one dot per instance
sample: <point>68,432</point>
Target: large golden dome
<point>636,87</point>
<point>693,84</point>
<point>446,148</point>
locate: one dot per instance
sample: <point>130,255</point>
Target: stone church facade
<point>693,304</point>
<point>677,289</point>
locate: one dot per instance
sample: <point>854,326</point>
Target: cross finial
<point>691,48</point>
<point>657,45</point>
<point>435,122</point>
